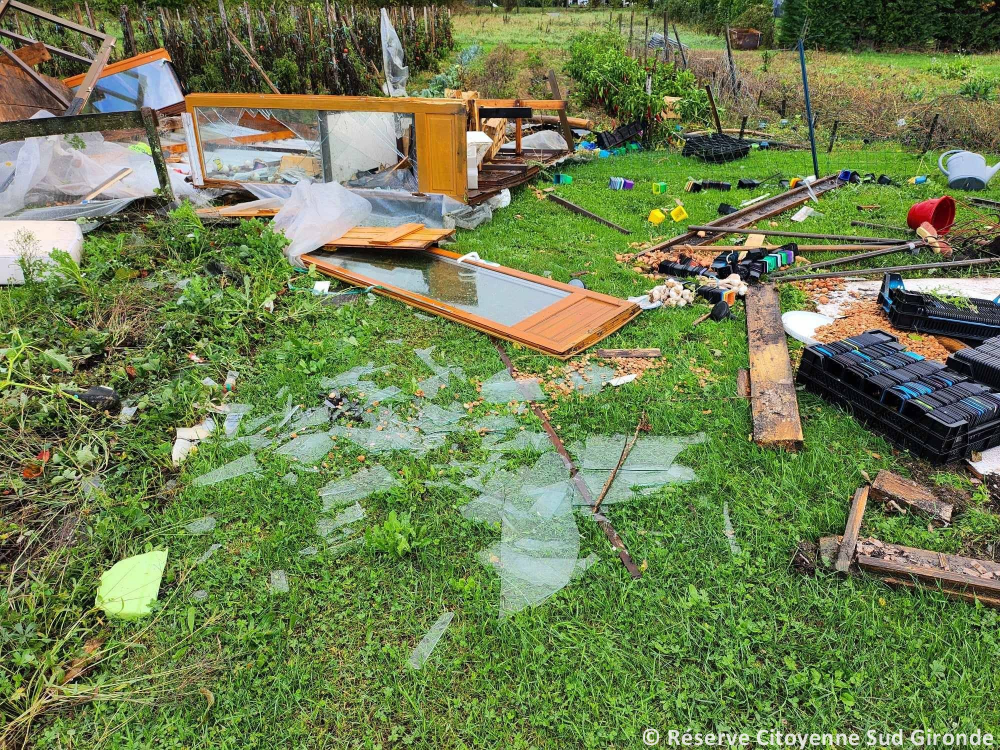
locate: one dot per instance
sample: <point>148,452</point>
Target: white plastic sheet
<point>543,139</point>
<point>316,214</point>
<point>396,73</point>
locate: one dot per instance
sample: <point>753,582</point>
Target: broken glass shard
<point>429,642</point>
<point>649,465</point>
<point>326,526</point>
<point>349,490</point>
<point>233,469</point>
<point>208,553</point>
<point>307,449</point>
<point>201,525</point>
<point>279,582</point>
<point>591,379</point>
<point>502,389</point>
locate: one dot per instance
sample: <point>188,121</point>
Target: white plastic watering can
<point>966,170</point>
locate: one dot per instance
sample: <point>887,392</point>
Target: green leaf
<point>129,589</point>
<point>56,360</point>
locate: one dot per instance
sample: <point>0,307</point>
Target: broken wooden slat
<point>850,542</point>
<point>397,233</point>
<point>890,488</point>
<point>773,401</point>
<point>35,76</point>
<point>30,54</point>
<point>925,574</point>
<point>743,383</point>
<point>629,353</point>
<point>829,547</point>
<point>952,345</point>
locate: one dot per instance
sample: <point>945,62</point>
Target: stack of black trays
<point>916,404</point>
<point>716,148</point>
<point>972,323</point>
<point>981,363</point>
<point>615,138</point>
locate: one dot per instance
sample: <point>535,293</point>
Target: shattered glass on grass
<point>593,378</point>
<point>502,389</point>
<point>649,465</point>
<point>351,489</point>
<point>237,468</point>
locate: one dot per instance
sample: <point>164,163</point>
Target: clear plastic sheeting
<point>90,210</point>
<point>502,389</point>
<point>650,464</point>
<point>316,214</point>
<point>351,489</point>
<point>391,208</point>
<point>396,73</point>
<point>237,468</point>
<point>429,642</point>
<point>546,140</point>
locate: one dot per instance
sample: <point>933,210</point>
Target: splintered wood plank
<point>629,353</point>
<point>371,237</point>
<point>743,383</point>
<point>395,234</point>
<point>926,574</point>
<point>754,240</point>
<point>30,54</point>
<point>857,512</point>
<point>773,402</point>
<point>892,489</point>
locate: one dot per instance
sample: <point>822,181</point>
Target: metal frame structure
<point>143,119</point>
<point>97,64</point>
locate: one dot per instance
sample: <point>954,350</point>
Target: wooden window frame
<point>440,126</point>
<point>624,310</point>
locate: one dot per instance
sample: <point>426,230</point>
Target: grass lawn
<point>707,639</point>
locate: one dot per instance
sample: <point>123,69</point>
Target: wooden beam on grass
<point>584,212</point>
<point>773,402</point>
<point>629,353</point>
<point>850,542</point>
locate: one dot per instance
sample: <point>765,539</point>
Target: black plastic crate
<point>615,138</point>
<point>974,323</point>
<point>716,147</point>
<point>981,363</point>
<point>925,407</point>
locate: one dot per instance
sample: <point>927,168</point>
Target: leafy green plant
<point>979,87</point>
<point>397,536</point>
<point>609,77</point>
<point>952,68</point>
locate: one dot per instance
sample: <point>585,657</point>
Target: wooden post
<point>854,517</point>
<point>225,24</point>
<point>645,42</point>
<point>631,24</point>
<point>567,131</point>
<point>666,39</point>
<point>715,111</point>
<point>79,13</point>
<point>90,15</point>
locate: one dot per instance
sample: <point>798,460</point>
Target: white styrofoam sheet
<point>35,240</point>
<point>982,287</point>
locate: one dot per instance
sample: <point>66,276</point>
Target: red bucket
<point>938,212</point>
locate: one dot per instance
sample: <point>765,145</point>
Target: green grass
<point>704,640</point>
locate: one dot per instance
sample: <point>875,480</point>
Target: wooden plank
<point>584,212</point>
<point>629,353</point>
<point>31,54</point>
<point>773,402</point>
<point>545,105</point>
<point>854,518</point>
<point>564,124</point>
<point>754,240</point>
<point>952,345</point>
<point>892,489</point>
<point>35,76</point>
<point>90,80</point>
<point>329,103</point>
<point>115,178</point>
<point>21,97</point>
<point>394,234</point>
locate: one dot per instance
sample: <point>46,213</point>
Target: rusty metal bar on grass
<point>581,486</point>
<point>892,269</point>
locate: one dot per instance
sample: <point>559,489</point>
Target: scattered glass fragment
<point>279,582</point>
<point>201,526</point>
<point>233,469</point>
<point>208,553</point>
<point>350,489</point>
<point>308,551</point>
<point>307,449</point>
<point>199,596</point>
<point>430,640</point>
<point>291,479</point>
<point>502,389</point>
<point>734,546</point>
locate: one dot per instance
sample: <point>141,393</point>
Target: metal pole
<point>805,89</point>
<point>911,247</point>
<point>800,235</point>
<point>892,269</point>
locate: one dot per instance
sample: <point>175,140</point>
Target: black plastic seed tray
<point>615,138</point>
<point>981,363</point>
<point>973,321</point>
<point>716,148</point>
<point>918,405</point>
